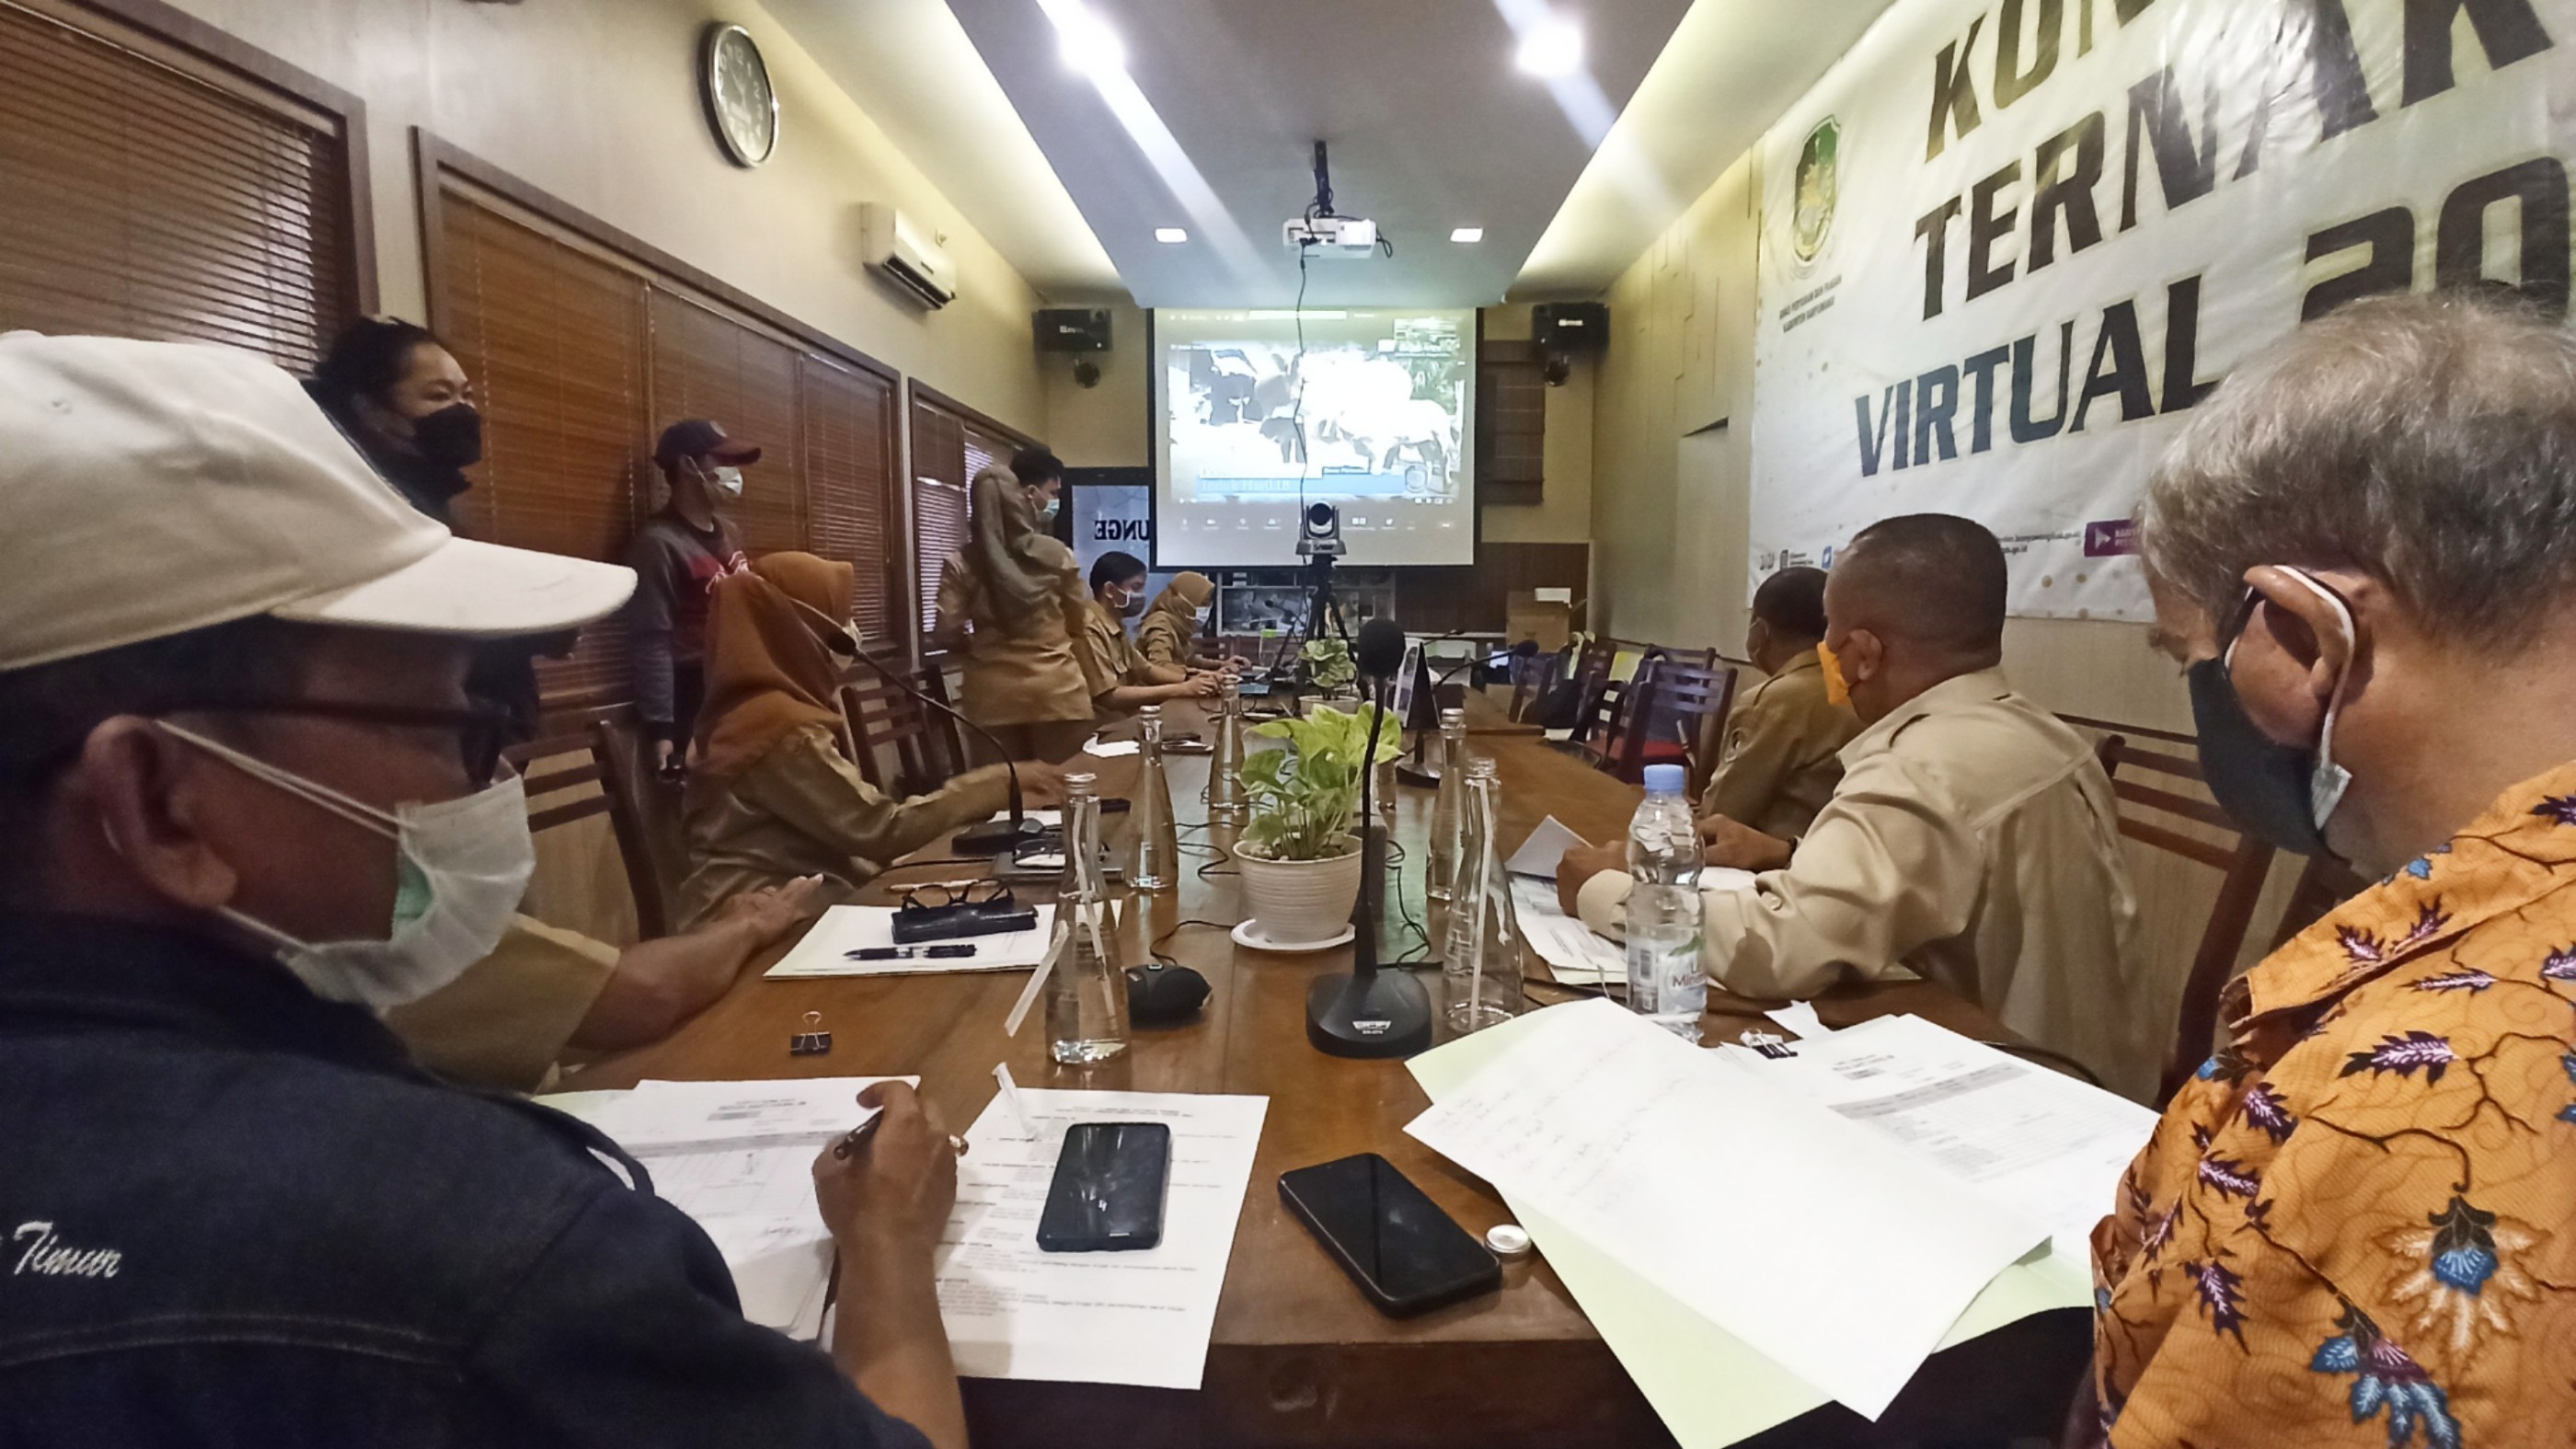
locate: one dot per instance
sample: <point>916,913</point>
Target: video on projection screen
<point>1373,412</point>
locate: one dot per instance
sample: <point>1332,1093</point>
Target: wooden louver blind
<point>938,498</point>
<point>144,201</point>
<point>1511,423</point>
<point>850,504</point>
<point>554,341</point>
<point>706,365</point>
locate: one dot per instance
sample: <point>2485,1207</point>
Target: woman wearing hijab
<point>1169,632</point>
<point>1012,602</point>
<point>772,798</point>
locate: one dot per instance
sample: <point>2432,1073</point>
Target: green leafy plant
<point>1302,795</point>
<point>1329,666</point>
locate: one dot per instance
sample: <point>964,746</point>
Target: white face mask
<point>462,868</point>
<point>728,481</point>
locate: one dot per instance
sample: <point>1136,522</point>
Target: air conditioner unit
<point>907,255</point>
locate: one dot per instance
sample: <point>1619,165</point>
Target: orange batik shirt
<point>2357,1225</point>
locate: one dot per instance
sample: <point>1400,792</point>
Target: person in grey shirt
<point>677,556</point>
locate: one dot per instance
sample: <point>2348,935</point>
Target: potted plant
<point>1300,861</point>
<point>1329,667</point>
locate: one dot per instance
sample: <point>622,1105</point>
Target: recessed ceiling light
<point>1170,235</point>
<point>1468,235</point>
<point>1551,48</point>
<point>1088,44</point>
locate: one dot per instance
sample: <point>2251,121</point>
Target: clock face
<point>739,99</point>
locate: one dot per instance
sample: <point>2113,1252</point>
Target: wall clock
<point>741,103</point>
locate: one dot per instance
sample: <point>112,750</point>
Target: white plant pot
<point>1301,900</point>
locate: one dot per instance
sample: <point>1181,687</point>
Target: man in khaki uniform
<point>1782,757</point>
<point>1129,681</point>
<point>1973,841</point>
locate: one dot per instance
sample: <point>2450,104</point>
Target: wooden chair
<point>2243,866</point>
<point>897,749</point>
<point>577,760</point>
<point>944,728</point>
<point>1697,698</point>
<point>652,842</point>
<point>1593,687</point>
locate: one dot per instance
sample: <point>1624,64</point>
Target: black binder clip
<point>813,1041</point>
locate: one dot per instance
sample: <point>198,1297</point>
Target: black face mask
<point>2276,791</point>
<point>451,437</point>
<point>2254,777</point>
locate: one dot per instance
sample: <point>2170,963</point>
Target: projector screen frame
<point>1156,447</point>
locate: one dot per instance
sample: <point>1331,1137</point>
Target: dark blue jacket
<point>232,1213</point>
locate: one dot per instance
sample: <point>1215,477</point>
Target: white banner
<point>2006,246</point>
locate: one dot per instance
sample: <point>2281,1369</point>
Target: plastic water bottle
<point>1664,980</point>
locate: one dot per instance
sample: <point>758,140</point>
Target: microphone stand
<point>1426,692</point>
<point>1369,1014</point>
<point>988,838</point>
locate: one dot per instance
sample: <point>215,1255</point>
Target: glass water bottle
<point>1443,865</point>
<point>1155,856</point>
<point>1225,764</point>
<point>1086,994</point>
<point>1466,888</point>
<point>1488,991</point>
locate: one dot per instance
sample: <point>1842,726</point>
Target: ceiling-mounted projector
<point>1348,237</point>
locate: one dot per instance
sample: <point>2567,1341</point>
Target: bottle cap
<point>1666,779</point>
<point>1508,1240</point>
<point>1450,717</point>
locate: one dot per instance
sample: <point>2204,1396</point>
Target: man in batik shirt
<point>2357,1225</point>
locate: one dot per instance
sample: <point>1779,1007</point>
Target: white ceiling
<point>1431,128</point>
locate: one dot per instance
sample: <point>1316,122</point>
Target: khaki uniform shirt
<point>1113,659</point>
<point>507,1020</point>
<point>1974,841</point>
<point>1011,680</point>
<point>802,809</point>
<point>1782,756</point>
<point>1164,637</point>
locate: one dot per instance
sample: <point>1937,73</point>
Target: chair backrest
<point>932,680</point>
<point>1532,678</point>
<point>898,750</point>
<point>553,766</point>
<point>1693,701</point>
<point>2243,863</point>
<point>645,812</point>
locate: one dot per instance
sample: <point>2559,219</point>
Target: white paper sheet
<point>1051,816</point>
<point>1573,953</point>
<point>738,1158</point>
<point>843,929</point>
<point>1544,850</point>
<point>1799,1019</point>
<point>2042,1143</point>
<point>1646,1145</point>
<point>1112,749</point>
<point>1014,1312</point>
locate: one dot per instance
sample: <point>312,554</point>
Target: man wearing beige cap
<point>245,806</point>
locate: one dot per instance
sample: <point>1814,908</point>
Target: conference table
<point>1298,1357</point>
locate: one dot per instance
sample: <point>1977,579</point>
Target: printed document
<point>2035,1141</point>
<point>826,949</point>
<point>1575,954</point>
<point>1646,1146</point>
<point>1014,1312</point>
<point>738,1157</point>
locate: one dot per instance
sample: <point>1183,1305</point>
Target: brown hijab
<point>768,672</point>
<point>1182,598</point>
<point>1021,568</point>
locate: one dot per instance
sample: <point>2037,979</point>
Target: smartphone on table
<point>1110,1182</point>
<point>1406,1254</point>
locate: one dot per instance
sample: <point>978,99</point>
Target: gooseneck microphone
<point>991,838</point>
<point>1370,1013</point>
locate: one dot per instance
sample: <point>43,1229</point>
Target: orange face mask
<point>1837,689</point>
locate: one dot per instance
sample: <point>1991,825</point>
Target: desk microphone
<point>991,838</point>
<point>1370,1013</point>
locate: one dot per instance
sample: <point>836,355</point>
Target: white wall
<point>595,102</point>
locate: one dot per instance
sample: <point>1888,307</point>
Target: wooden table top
<point>1298,1356</point>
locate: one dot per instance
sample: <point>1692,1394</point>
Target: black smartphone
<point>1107,1196</point>
<point>1405,1253</point>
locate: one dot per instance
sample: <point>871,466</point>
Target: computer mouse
<point>1160,995</point>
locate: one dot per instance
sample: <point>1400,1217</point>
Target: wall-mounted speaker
<point>1579,328</point>
<point>1073,329</point>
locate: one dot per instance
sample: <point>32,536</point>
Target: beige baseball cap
<point>152,488</point>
